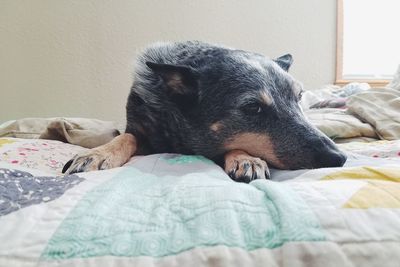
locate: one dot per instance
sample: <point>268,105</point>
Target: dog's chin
<point>256,145</point>
<point>291,164</point>
<point>285,164</point>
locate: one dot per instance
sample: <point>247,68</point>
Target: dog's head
<point>245,101</point>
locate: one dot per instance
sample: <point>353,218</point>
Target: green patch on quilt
<point>139,214</point>
<point>185,159</point>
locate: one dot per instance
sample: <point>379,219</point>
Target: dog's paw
<point>242,167</point>
<point>92,160</point>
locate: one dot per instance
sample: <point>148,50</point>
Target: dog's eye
<point>300,95</point>
<point>252,109</point>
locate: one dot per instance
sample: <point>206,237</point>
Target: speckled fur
<point>228,80</point>
<point>197,98</point>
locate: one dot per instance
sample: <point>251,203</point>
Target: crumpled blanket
<point>379,108</point>
<point>331,96</point>
<point>338,124</point>
<point>339,102</point>
<point>355,111</point>
<point>87,133</point>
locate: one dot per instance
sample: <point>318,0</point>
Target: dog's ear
<point>179,79</point>
<point>285,61</point>
<point>181,83</point>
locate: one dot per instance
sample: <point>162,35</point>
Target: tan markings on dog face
<point>265,98</point>
<point>257,145</point>
<point>216,127</point>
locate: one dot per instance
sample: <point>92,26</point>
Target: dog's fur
<point>237,108</point>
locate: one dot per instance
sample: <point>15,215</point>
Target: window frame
<point>339,54</point>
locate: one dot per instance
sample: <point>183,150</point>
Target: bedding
<point>379,108</point>
<point>84,132</point>
<point>366,113</point>
<point>338,123</point>
<point>179,210</point>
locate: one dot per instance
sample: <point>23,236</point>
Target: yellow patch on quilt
<point>382,189</point>
<point>5,141</point>
<point>366,173</point>
<point>375,194</point>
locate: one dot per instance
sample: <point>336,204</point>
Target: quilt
<point>183,210</point>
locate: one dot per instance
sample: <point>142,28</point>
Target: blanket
<point>339,124</point>
<point>368,113</point>
<point>379,108</point>
<point>87,133</point>
<point>180,210</point>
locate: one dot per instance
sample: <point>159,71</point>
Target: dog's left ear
<point>179,79</point>
<point>181,83</point>
<point>285,61</point>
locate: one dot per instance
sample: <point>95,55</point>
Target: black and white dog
<point>237,108</point>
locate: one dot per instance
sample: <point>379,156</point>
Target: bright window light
<point>371,39</point>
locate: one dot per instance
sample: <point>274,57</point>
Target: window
<point>368,47</point>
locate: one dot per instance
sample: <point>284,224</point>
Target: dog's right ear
<point>285,61</point>
<point>179,79</point>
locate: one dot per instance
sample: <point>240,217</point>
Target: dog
<point>237,108</point>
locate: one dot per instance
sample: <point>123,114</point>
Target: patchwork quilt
<point>179,210</point>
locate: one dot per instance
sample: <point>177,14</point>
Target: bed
<point>182,210</point>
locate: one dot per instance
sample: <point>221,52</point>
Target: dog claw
<point>89,161</point>
<point>67,165</point>
<point>242,167</point>
<point>111,155</point>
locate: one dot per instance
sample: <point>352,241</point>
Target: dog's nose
<point>330,159</point>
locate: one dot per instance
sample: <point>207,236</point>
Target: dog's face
<point>246,101</point>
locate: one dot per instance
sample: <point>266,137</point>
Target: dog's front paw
<point>92,160</point>
<point>242,167</point>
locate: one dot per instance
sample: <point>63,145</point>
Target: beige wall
<point>74,58</point>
